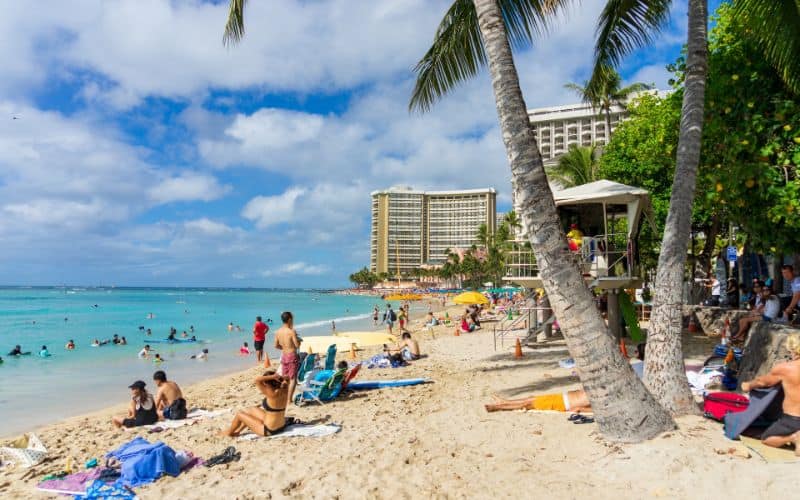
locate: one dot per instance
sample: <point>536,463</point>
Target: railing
<point>594,258</point>
<point>527,320</point>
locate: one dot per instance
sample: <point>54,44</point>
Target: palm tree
<point>606,93</point>
<point>579,165</point>
<point>472,34</point>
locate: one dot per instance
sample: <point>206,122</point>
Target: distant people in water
<point>171,336</point>
<point>238,328</point>
<point>148,332</point>
<point>44,353</point>
<point>70,345</point>
<point>333,326</point>
<point>184,334</point>
<point>123,341</point>
<point>158,359</point>
<point>191,328</point>
<point>115,340</point>
<point>202,355</point>
<point>244,350</point>
<point>17,351</point>
<point>230,326</point>
<point>141,328</point>
<point>142,410</point>
<point>150,316</point>
<point>170,403</point>
<point>145,352</point>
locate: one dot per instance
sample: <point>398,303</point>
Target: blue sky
<point>146,153</point>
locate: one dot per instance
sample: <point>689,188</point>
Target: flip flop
<point>574,417</point>
<point>229,455</point>
<point>583,420</point>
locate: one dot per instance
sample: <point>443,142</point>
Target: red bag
<point>718,404</point>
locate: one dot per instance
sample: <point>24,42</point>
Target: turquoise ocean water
<point>35,391</point>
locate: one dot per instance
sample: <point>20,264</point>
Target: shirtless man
<point>169,398</point>
<point>286,341</point>
<point>407,347</point>
<point>785,430</point>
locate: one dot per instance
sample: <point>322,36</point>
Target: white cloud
<point>267,211</point>
<point>296,268</point>
<point>188,187</point>
<point>208,227</point>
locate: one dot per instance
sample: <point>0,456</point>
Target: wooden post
<point>614,314</point>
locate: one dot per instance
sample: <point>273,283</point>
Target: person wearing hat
<point>574,237</point>
<point>142,410</point>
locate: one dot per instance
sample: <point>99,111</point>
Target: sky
<point>137,150</point>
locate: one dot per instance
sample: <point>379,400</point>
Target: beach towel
<point>300,430</point>
<point>192,418</point>
<point>769,453</point>
<point>143,462</point>
<point>25,451</point>
<point>698,381</point>
<point>73,484</point>
<point>99,490</point>
<point>764,408</point>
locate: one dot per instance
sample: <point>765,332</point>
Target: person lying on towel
<point>786,430</point>
<point>574,401</point>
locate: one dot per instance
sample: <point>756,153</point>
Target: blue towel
<point>143,463</point>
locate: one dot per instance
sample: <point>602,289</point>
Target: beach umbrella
<point>468,298</point>
<point>403,296</point>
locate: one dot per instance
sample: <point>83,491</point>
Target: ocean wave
<point>312,324</point>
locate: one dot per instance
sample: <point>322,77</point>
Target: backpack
<point>392,315</point>
<point>718,404</point>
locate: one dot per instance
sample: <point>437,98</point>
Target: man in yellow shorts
<point>574,401</point>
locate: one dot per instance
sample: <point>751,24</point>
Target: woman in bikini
<point>270,418</point>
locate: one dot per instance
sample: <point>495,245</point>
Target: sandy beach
<point>432,441</point>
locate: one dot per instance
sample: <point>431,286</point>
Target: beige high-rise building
<point>411,228</point>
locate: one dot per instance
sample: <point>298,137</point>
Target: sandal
<point>574,417</point>
<point>229,455</point>
<point>583,420</point>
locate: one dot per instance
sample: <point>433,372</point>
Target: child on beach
<point>244,350</point>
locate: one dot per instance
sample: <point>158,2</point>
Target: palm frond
<point>575,167</point>
<point>624,26</point>
<point>776,26</point>
<point>457,51</point>
<point>234,27</point>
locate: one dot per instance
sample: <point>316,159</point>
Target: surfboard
<point>369,338</point>
<point>362,385</point>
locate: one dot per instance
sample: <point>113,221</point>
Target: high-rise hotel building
<point>411,228</point>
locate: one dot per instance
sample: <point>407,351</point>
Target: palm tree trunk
<point>664,370</point>
<point>623,408</point>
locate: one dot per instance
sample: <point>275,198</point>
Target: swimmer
<point>70,345</point>
<point>115,340</point>
<point>158,359</point>
<point>230,326</point>
<point>191,328</point>
<point>202,356</point>
<point>123,341</point>
<point>141,328</point>
<point>44,353</point>
<point>17,351</point>
<point>145,352</point>
<point>184,334</point>
<point>193,339</point>
<point>149,332</point>
<point>95,343</point>
<point>244,350</point>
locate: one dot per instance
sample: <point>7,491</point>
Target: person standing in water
<point>260,330</point>
<point>286,341</point>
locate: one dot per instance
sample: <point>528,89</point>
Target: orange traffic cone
<point>623,349</point>
<point>730,356</point>
<point>352,351</point>
<point>518,350</point>
<point>457,333</point>
<point>267,364</point>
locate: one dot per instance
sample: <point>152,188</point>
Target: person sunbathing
<point>786,430</point>
<point>270,418</point>
<point>142,410</point>
<point>575,401</point>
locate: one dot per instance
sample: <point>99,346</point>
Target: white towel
<point>300,430</point>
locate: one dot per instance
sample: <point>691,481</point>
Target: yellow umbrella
<point>403,296</point>
<point>470,298</point>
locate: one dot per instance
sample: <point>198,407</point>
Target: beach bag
<point>392,315</point>
<point>25,451</point>
<point>718,404</point>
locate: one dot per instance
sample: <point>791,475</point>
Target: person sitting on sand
<point>287,342</point>
<point>70,345</point>
<point>407,348</point>
<point>270,418</point>
<point>430,320</point>
<point>244,350</point>
<point>170,403</point>
<point>44,353</point>
<point>142,410</point>
<point>466,326</point>
<point>786,430</point>
<point>145,352</point>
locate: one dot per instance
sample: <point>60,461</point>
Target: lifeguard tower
<point>609,215</point>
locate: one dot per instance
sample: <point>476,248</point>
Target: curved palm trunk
<point>624,409</point>
<point>664,369</point>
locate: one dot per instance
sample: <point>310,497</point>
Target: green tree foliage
<point>577,166</point>
<point>364,277</point>
<point>748,174</point>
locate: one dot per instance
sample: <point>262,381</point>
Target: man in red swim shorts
<point>260,330</point>
<point>286,341</point>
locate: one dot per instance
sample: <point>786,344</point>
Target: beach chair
<point>330,358</point>
<point>350,375</point>
<point>309,363</point>
<point>327,384</point>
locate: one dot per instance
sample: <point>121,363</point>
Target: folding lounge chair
<point>330,358</point>
<point>326,386</point>
<point>307,367</point>
<point>350,375</point>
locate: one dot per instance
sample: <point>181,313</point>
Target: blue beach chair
<point>330,358</point>
<point>326,386</point>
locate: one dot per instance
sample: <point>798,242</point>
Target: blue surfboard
<point>363,385</point>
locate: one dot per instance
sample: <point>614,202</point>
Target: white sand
<point>434,441</point>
